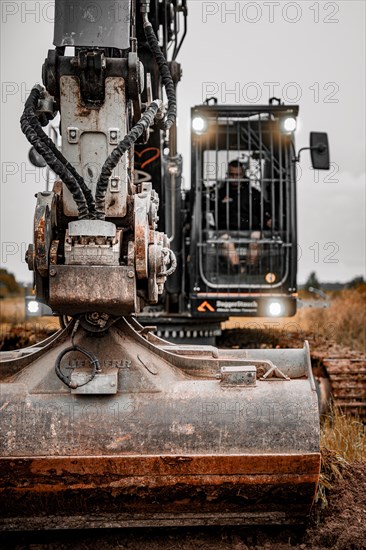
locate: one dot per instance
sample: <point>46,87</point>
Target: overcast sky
<point>308,53</point>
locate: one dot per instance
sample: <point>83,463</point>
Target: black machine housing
<point>243,237</point>
<point>236,237</point>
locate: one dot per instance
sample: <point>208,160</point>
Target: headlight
<point>33,306</point>
<point>199,125</point>
<point>288,125</point>
<point>275,309</point>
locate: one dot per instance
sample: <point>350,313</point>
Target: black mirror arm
<point>321,148</point>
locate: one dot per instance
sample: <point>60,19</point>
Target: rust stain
<point>82,111</point>
<point>198,465</point>
<point>127,482</point>
<point>165,485</point>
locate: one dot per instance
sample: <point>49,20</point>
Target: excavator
<point>105,424</point>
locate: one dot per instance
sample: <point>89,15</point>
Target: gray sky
<point>308,53</point>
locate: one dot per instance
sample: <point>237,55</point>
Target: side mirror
<point>319,149</point>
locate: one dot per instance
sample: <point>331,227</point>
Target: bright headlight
<point>33,306</point>
<point>199,125</point>
<point>288,124</point>
<point>275,309</point>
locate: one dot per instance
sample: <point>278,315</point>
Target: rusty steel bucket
<point>162,435</point>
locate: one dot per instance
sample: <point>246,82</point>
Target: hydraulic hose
<point>57,162</point>
<point>34,122</point>
<point>94,362</point>
<point>166,77</point>
<point>146,120</point>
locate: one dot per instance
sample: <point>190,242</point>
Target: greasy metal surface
<point>239,376</point>
<point>91,228</point>
<point>173,445</point>
<point>93,146</point>
<point>151,246</point>
<point>94,249</point>
<point>98,24</point>
<point>77,289</point>
<point>104,383</point>
<point>141,226</point>
<point>42,232</point>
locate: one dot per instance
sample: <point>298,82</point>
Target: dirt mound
<point>342,525</point>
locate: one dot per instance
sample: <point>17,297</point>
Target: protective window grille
<point>244,233</point>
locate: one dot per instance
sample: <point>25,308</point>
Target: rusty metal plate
<point>92,146</point>
<point>79,289</point>
<point>170,490</point>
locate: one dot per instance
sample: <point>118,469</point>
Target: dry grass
<point>343,322</point>
<point>332,469</point>
<point>16,331</point>
<point>344,435</point>
<point>12,310</point>
<point>12,313</point>
<point>343,441</point>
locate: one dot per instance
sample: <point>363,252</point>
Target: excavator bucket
<point>158,434</point>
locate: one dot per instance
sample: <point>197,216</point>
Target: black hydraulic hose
<point>54,163</point>
<point>146,120</point>
<point>36,125</point>
<point>67,379</point>
<point>166,77</point>
<point>31,106</point>
<point>57,167</point>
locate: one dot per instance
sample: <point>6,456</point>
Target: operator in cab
<point>241,208</point>
<point>239,202</point>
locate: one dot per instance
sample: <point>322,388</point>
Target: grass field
<point>344,321</point>
<point>12,312</point>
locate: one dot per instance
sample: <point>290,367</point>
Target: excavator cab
<point>244,215</point>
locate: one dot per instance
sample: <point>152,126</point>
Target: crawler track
<point>346,372</point>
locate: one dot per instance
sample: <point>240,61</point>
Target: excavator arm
<point>97,250</point>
